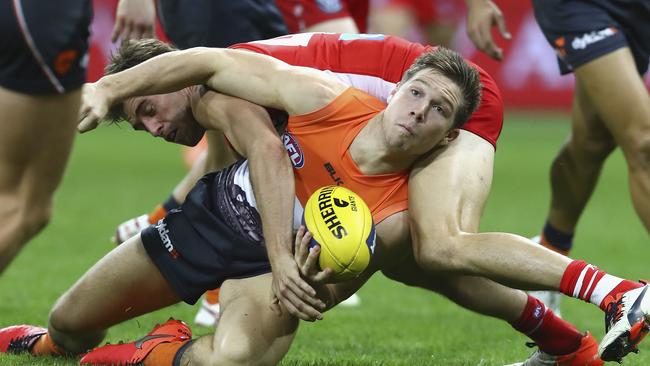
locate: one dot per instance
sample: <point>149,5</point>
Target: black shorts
<point>215,235</point>
<point>209,23</point>
<point>44,45</point>
<point>583,30</point>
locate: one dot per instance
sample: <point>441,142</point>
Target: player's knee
<point>596,147</point>
<point>36,218</point>
<point>637,153</point>
<point>443,254</point>
<point>234,352</point>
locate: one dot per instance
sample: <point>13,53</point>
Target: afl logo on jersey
<point>294,150</point>
<point>330,6</point>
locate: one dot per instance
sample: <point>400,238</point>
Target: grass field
<point>115,174</point>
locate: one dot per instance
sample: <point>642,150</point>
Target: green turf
<point>115,174</point>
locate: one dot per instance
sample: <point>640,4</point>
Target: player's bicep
<point>270,82</point>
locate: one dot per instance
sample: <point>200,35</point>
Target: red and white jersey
<point>374,63</point>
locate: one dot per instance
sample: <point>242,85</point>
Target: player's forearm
<point>273,182</point>
<point>162,74</point>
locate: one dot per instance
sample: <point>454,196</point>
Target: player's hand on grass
<point>134,19</point>
<point>482,15</point>
<point>292,292</point>
<point>130,228</point>
<point>94,107</point>
<point>307,259</point>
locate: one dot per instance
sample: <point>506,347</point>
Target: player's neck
<point>371,153</point>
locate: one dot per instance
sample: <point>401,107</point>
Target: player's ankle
<point>45,346</point>
<point>556,239</point>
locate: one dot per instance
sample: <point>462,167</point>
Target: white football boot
<point>627,322</point>
<point>208,314</point>
<point>551,299</point>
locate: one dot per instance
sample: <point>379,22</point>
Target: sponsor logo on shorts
<point>329,6</point>
<point>161,226</point>
<point>293,149</point>
<point>587,39</point>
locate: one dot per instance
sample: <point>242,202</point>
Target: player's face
<point>421,112</point>
<point>165,115</point>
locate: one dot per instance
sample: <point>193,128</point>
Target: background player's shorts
<point>214,236</point>
<point>209,23</point>
<point>583,30</point>
<point>44,45</point>
<point>302,14</point>
<point>428,12</point>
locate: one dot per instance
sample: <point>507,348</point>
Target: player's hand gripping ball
<point>341,223</point>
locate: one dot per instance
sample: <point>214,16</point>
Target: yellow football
<point>341,223</point>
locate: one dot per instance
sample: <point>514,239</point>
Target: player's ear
<point>390,96</point>
<point>449,137</point>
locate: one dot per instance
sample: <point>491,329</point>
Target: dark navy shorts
<point>210,23</point>
<point>583,30</point>
<point>214,236</point>
<point>44,45</point>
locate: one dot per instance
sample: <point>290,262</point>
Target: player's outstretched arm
<point>257,78</point>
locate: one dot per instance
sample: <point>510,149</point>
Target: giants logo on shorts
<point>161,226</point>
<point>329,6</point>
<point>294,150</point>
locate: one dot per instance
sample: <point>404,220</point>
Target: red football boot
<point>133,353</point>
<point>586,355</point>
<point>19,338</point>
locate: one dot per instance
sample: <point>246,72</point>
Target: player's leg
<point>35,142</point>
<point>245,311</point>
<point>574,174</point>
<point>555,338</point>
<point>122,285</point>
<point>42,47</point>
<point>576,168</point>
<point>250,334</point>
<point>622,102</point>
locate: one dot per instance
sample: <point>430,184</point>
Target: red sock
<point>551,334</point>
<point>588,283</point>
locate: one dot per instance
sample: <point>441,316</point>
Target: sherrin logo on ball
<point>341,223</point>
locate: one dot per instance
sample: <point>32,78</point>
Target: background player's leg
<point>36,137</point>
<point>616,91</point>
<point>122,285</point>
<point>249,333</point>
<point>576,168</point>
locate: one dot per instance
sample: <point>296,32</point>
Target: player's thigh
<point>123,284</point>
<point>620,98</point>
<point>461,177</point>
<point>248,328</point>
<point>36,137</point>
